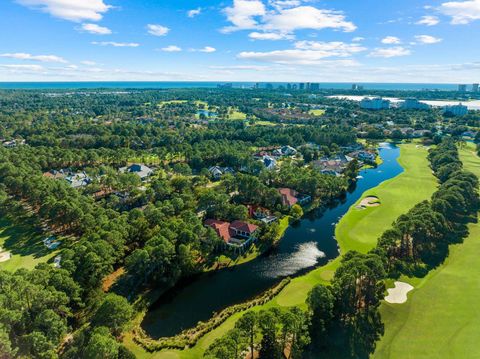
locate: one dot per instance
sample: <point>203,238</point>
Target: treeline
<point>342,319</point>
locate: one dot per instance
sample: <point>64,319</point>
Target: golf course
<point>440,318</point>
<point>358,230</point>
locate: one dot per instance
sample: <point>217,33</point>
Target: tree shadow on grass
<point>22,239</point>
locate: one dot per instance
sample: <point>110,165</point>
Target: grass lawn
<point>359,229</point>
<point>441,318</point>
<point>24,244</point>
<point>317,112</point>
<point>397,195</point>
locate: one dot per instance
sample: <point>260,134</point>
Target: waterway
<point>308,244</point>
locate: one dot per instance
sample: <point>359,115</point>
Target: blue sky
<point>240,40</point>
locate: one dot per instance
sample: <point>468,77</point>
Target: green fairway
<point>441,318</point>
<point>397,196</point>
<point>359,229</point>
<point>24,244</point>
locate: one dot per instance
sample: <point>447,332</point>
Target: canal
<point>308,244</point>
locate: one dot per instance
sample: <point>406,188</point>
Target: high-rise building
<point>475,88</point>
<point>376,103</point>
<point>289,86</point>
<point>414,104</point>
<point>301,86</point>
<point>456,110</point>
<point>314,87</point>
<point>354,87</point>
<point>462,88</point>
<point>294,86</point>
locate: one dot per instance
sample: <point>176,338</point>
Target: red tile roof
<point>243,226</point>
<point>289,196</point>
<point>222,228</point>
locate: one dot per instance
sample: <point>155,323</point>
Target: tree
<point>296,212</point>
<point>320,302</point>
<point>113,313</point>
<point>248,325</point>
<point>102,345</point>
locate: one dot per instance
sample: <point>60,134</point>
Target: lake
<point>308,244</point>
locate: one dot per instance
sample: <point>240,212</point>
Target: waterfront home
<point>237,235</point>
<point>261,214</point>
<point>140,170</point>
<point>291,197</point>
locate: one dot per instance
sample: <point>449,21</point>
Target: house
<point>217,172</point>
<point>366,156</point>
<point>77,180</point>
<point>221,228</point>
<point>291,197</point>
<point>13,143</point>
<point>261,214</point>
<point>269,162</point>
<point>237,235</point>
<point>243,229</point>
<point>285,151</point>
<point>54,174</point>
<point>140,170</point>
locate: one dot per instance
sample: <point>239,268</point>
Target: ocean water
<point>186,84</point>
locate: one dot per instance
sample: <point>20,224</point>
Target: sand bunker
<point>398,294</point>
<point>4,256</point>
<point>370,201</point>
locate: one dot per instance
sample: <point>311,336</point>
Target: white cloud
<point>88,63</point>
<point>41,58</point>
<point>208,49</point>
<point>72,10</point>
<point>428,20</point>
<point>388,52</point>
<point>427,39</point>
<point>282,4</point>
<point>289,57</point>
<point>306,53</point>
<point>29,68</point>
<point>116,44</point>
<point>307,17</point>
<point>241,68</point>
<point>391,40</point>
<point>194,12</point>
<point>242,14</point>
<point>270,36</point>
<point>96,29</point>
<point>157,30</point>
<point>461,12</point>
<point>358,39</point>
<point>171,48</point>
<point>283,17</point>
<point>331,49</point>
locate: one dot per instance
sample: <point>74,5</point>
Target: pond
<point>308,244</point>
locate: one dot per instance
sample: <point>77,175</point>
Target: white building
<point>414,104</point>
<point>456,110</point>
<point>376,103</point>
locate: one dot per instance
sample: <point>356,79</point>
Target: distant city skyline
<point>241,40</point>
